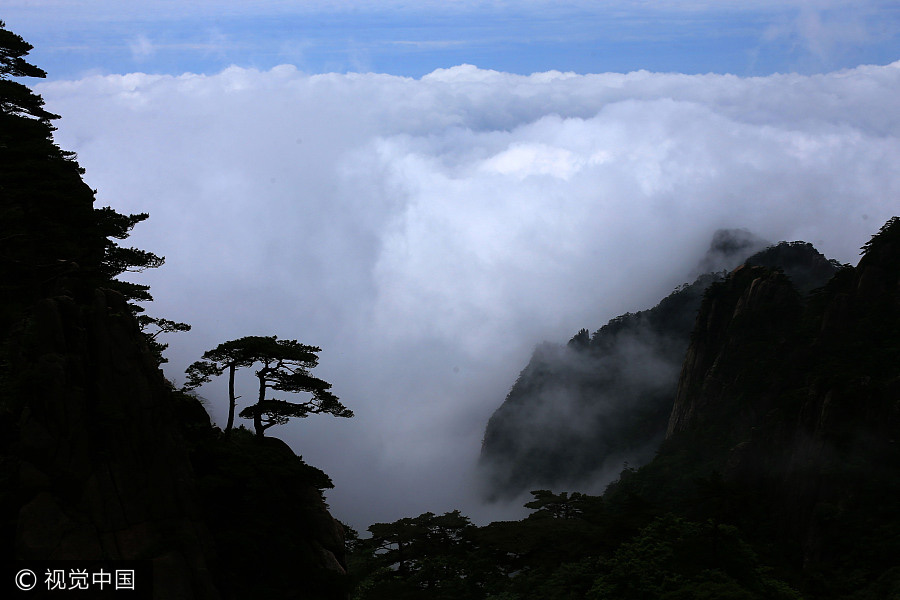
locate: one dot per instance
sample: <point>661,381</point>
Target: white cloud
<point>142,48</point>
<point>427,233</point>
<point>825,29</point>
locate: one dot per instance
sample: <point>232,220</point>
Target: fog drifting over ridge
<point>427,233</point>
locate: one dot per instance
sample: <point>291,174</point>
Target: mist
<point>428,233</point>
<point>577,415</point>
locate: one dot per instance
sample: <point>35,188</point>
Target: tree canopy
<point>282,366</point>
<point>52,239</point>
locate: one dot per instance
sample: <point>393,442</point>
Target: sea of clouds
<point>428,233</point>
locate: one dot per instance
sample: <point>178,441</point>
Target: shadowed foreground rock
<point>94,450</point>
<point>102,459</point>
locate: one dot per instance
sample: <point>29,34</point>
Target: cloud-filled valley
<point>428,233</point>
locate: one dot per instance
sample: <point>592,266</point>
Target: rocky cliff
<point>578,411</point>
<point>793,407</point>
<point>92,448</point>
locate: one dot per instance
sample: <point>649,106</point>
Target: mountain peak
<point>577,411</point>
<point>728,248</point>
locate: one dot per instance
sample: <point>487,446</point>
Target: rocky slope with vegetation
<point>577,412</point>
<point>100,457</point>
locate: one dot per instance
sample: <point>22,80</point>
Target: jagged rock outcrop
<point>578,411</point>
<point>797,405</point>
<point>746,313</point>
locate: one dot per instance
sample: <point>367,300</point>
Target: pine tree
<point>52,239</point>
<point>52,236</point>
<point>283,365</point>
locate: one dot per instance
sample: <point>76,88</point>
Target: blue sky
<point>75,38</point>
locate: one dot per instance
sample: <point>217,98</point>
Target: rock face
<point>577,412</point>
<point>102,459</point>
<point>274,535</point>
<point>742,315</point>
<point>798,403</point>
<point>98,464</point>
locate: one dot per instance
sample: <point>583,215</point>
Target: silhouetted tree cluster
<point>570,547</point>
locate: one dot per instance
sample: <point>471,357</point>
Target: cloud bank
<point>427,233</point>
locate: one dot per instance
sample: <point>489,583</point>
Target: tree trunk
<point>231,398</point>
<point>257,414</point>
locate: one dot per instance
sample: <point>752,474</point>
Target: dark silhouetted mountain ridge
<point>577,412</point>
